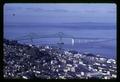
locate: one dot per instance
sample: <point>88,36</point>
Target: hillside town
<point>22,61</point>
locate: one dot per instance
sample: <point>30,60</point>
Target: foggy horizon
<point>59,13</point>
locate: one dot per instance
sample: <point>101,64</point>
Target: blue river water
<point>106,49</point>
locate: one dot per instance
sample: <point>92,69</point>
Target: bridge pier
<point>73,41</point>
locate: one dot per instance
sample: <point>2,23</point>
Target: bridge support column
<point>73,41</point>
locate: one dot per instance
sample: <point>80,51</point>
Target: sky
<point>59,12</point>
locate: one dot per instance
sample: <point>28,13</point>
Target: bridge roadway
<point>62,35</point>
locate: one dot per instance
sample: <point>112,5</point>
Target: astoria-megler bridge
<point>61,35</point>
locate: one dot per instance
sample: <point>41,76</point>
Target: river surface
<point>85,30</point>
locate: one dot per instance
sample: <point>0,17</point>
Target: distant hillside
<point>82,25</point>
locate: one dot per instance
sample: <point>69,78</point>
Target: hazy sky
<point>59,13</point>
